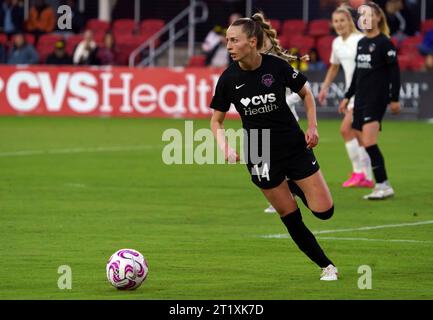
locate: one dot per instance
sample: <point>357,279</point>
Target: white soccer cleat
<point>380,193</point>
<point>330,273</point>
<point>270,209</point>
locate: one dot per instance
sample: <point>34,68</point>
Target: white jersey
<point>344,54</point>
<point>292,99</point>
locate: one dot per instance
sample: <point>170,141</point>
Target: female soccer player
<point>375,83</point>
<point>343,53</point>
<point>256,84</point>
<point>292,98</point>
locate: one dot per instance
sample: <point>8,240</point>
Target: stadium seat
<point>284,41</point>
<point>276,24</point>
<point>30,38</point>
<point>99,36</point>
<point>151,26</point>
<point>127,43</point>
<point>293,26</point>
<point>417,62</point>
<point>395,41</point>
<point>72,42</point>
<point>411,61</point>
<point>324,48</point>
<point>124,26</point>
<point>3,39</point>
<point>98,26</point>
<point>197,61</point>
<point>410,45</point>
<point>46,45</point>
<point>404,62</point>
<point>320,27</point>
<point>301,42</point>
<point>426,25</point>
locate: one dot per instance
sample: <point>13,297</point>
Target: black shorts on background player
<point>376,80</point>
<point>260,98</point>
<point>368,114</point>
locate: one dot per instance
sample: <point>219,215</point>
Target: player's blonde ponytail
<point>271,33</point>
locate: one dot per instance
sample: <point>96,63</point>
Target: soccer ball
<point>127,269</point>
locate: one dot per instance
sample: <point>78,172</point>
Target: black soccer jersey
<point>376,79</point>
<point>260,95</point>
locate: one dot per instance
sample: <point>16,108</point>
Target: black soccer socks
<point>294,188</point>
<point>304,239</point>
<point>377,163</point>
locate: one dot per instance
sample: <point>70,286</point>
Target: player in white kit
<point>344,50</point>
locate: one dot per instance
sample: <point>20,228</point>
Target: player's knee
<point>324,215</point>
<point>346,132</point>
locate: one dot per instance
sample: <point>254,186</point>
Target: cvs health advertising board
<point>117,91</point>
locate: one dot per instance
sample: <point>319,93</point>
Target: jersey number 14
<point>264,173</point>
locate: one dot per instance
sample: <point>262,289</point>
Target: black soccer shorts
<point>367,114</point>
<point>295,165</point>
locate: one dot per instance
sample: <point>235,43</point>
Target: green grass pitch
<point>74,190</point>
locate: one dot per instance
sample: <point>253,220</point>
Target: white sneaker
<point>380,193</point>
<point>270,209</point>
<point>330,273</point>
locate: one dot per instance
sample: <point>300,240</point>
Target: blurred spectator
<point>108,54</point>
<point>400,20</point>
<point>59,56</point>
<point>2,54</point>
<point>214,46</point>
<point>428,63</point>
<point>22,52</point>
<point>300,65</point>
<point>11,17</point>
<point>315,64</point>
<point>42,19</point>
<point>426,49</point>
<point>85,53</point>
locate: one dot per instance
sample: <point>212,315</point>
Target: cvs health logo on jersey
<point>364,61</point>
<point>265,101</point>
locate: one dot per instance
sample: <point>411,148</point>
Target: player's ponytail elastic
<point>383,25</point>
<point>271,33</point>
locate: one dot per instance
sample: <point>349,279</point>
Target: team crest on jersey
<point>268,79</point>
<point>372,47</point>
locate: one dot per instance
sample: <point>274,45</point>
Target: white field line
<point>76,150</point>
<point>369,239</point>
<point>277,236</point>
<point>376,227</point>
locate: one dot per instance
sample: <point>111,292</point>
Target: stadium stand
<point>124,27</point>
<point>98,26</point>
<point>291,26</point>
<point>276,24</point>
<point>324,48</point>
<point>318,28</point>
<point>197,61</point>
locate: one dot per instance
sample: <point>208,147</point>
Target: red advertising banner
<point>113,92</point>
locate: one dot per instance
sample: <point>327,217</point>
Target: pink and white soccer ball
<point>127,269</point>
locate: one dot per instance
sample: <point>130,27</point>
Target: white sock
<point>366,163</point>
<point>352,148</point>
